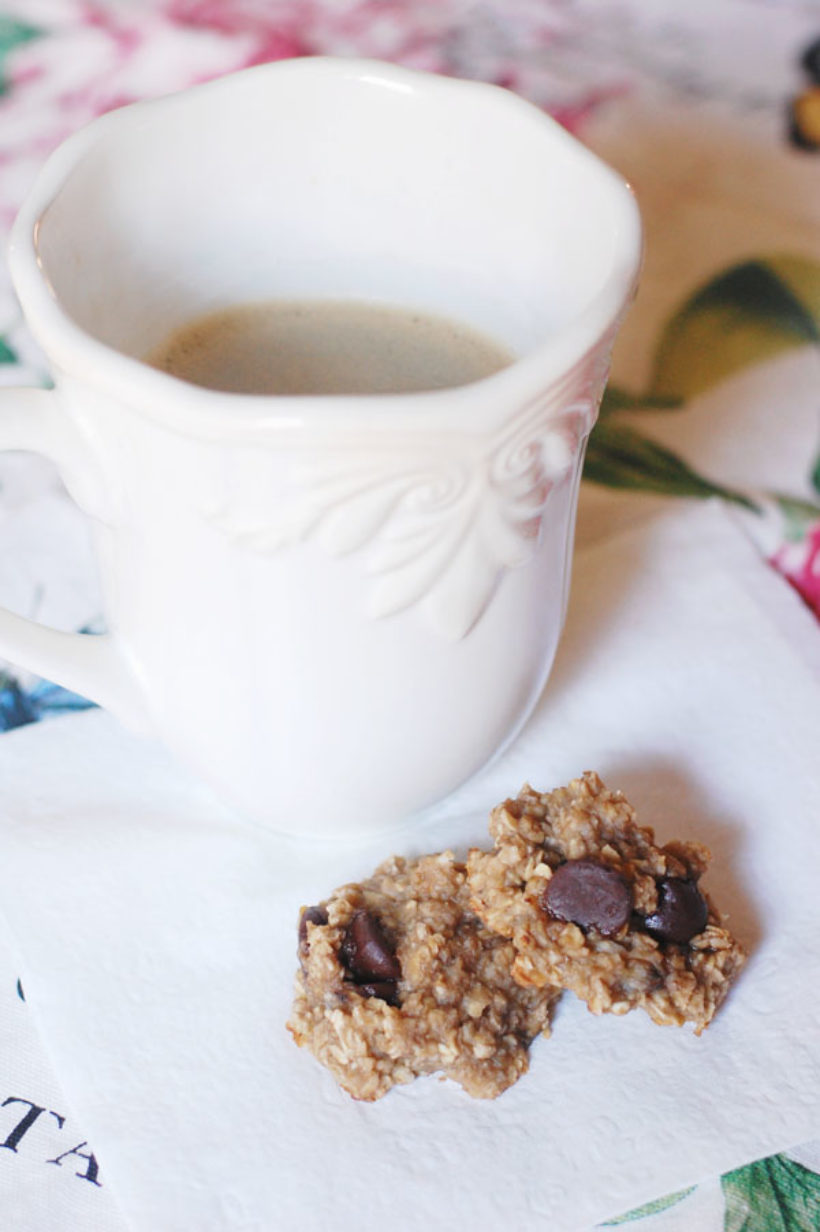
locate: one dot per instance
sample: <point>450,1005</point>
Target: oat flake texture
<point>537,833</point>
<point>459,1013</point>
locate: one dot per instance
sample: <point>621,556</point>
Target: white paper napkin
<point>158,937</point>
<point>49,1174</point>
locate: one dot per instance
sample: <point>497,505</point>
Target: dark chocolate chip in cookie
<point>366,952</point>
<point>682,911</point>
<point>385,990</point>
<point>810,60</point>
<point>589,894</point>
<point>310,915</point>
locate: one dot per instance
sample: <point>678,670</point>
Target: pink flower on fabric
<point>80,58</point>
<point>269,31</point>
<point>800,565</point>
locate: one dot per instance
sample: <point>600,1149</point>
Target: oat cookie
<point>399,978</point>
<point>591,903</point>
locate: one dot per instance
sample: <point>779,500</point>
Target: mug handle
<point>86,663</point>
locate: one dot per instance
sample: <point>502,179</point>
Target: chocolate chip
<point>366,952</point>
<point>310,915</point>
<point>682,911</point>
<point>385,990</point>
<point>589,894</point>
<point>810,60</point>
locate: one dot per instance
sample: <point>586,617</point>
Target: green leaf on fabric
<point>650,1208</point>
<point>798,516</point>
<point>772,1195</point>
<point>802,277</point>
<point>617,399</point>
<point>749,313</point>
<point>815,475</point>
<point>619,457</point>
<point>12,34</point>
<point>7,355</point>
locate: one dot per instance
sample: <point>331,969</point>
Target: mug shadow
<point>587,622</point>
<point>666,796</point>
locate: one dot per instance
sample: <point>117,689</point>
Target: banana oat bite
<point>399,978</point>
<point>592,904</point>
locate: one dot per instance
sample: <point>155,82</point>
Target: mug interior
<point>346,180</point>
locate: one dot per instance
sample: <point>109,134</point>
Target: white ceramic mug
<point>335,609</point>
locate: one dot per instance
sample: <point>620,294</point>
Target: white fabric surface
<point>158,937</point>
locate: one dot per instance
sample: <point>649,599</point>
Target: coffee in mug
<point>302,347</point>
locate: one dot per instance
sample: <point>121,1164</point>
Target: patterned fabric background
<point>712,109</point>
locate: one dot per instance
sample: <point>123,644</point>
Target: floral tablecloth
<point>712,110</point>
